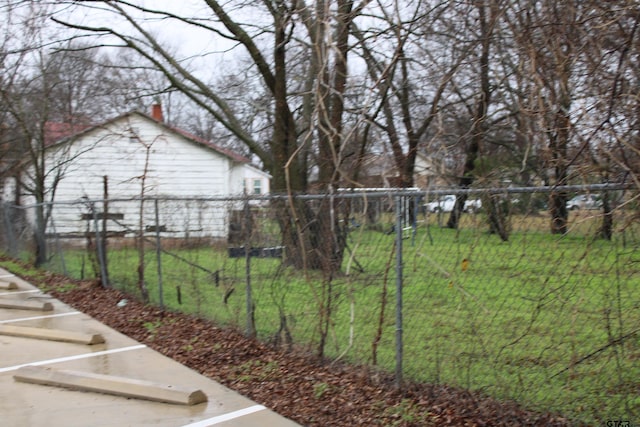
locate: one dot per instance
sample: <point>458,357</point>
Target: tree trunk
<point>559,141</point>
<point>606,229</point>
<point>41,227</point>
<point>312,237</point>
<point>558,212</point>
<point>40,242</point>
<point>497,214</point>
<point>478,125</point>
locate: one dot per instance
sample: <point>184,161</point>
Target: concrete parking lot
<point>50,342</point>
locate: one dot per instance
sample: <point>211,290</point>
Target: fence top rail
<point>355,193</point>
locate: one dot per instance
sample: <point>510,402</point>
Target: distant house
<point>380,171</point>
<point>376,170</point>
<point>430,173</point>
<point>137,155</point>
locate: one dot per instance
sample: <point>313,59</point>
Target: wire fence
<point>487,300</point>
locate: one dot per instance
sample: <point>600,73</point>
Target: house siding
<point>140,157</point>
<point>176,166</point>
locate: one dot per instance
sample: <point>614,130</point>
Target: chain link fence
<point>487,300</point>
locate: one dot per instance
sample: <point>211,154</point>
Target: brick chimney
<point>156,112</point>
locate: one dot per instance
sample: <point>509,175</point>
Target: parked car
<point>584,201</point>
<point>446,204</point>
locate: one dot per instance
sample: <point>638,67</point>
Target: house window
<point>257,186</point>
<point>134,134</point>
<point>252,186</point>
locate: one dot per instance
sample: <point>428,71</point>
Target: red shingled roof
<point>57,132</point>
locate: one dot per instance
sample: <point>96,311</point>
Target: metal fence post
<point>399,344</point>
<point>99,247</point>
<point>248,231</point>
<point>159,255</point>
<point>59,248</point>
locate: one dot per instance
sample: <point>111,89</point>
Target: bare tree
<point>573,68</point>
<point>408,102</point>
<point>547,35</point>
<point>306,115</point>
<point>24,97</point>
<point>48,91</point>
<point>140,238</point>
<point>608,143</point>
<point>487,12</point>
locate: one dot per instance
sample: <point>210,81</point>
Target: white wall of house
<point>141,157</point>
<point>251,181</point>
<point>428,173</point>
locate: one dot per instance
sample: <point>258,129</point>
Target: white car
<point>584,201</point>
<point>446,204</point>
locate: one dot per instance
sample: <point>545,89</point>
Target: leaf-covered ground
<point>295,385</point>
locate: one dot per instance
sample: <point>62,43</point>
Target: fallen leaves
<point>293,384</point>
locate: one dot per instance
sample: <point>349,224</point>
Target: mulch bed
<point>296,385</point>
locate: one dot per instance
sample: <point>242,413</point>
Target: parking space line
<point>71,313</point>
<point>70,358</point>
<point>226,417</point>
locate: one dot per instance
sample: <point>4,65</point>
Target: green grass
<point>21,269</point>
<point>549,321</point>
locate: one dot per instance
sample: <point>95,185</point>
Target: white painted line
<point>70,358</point>
<point>20,292</point>
<point>226,417</point>
<point>71,313</point>
<point>7,275</point>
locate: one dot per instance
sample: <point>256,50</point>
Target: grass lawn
<point>550,321</point>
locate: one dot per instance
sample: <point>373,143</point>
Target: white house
<point>137,155</point>
<point>430,172</point>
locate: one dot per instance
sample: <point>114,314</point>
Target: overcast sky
<point>179,37</point>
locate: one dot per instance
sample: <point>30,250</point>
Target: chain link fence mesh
<point>497,304</point>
